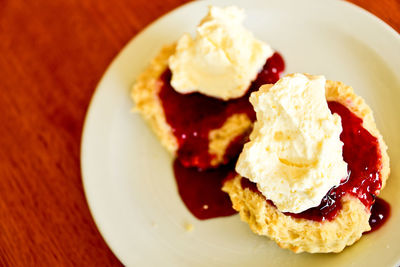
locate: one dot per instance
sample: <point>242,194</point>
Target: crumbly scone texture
<point>296,234</point>
<point>220,138</point>
<point>302,235</point>
<point>145,95</point>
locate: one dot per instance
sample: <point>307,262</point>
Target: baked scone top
<point>298,234</point>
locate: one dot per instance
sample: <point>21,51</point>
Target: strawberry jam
<point>192,117</point>
<point>380,212</point>
<point>201,190</point>
<point>362,154</point>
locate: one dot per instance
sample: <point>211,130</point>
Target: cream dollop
<point>222,60</point>
<point>295,153</point>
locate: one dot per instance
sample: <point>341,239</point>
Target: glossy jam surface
<point>201,190</point>
<point>362,154</point>
<point>380,212</point>
<point>193,116</point>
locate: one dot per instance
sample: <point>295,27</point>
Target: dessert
<point>206,126</point>
<point>343,213</point>
<point>315,162</point>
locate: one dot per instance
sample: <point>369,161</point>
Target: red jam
<point>362,154</point>
<point>380,212</point>
<point>201,190</point>
<point>193,116</point>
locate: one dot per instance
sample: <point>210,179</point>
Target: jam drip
<point>193,116</point>
<point>201,190</point>
<point>380,212</point>
<point>362,154</point>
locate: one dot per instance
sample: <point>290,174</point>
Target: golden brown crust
<point>145,95</point>
<point>301,235</point>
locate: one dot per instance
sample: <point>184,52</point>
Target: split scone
<point>344,211</point>
<point>195,93</point>
<point>146,95</point>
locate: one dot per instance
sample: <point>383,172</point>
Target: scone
<point>194,94</point>
<point>223,141</point>
<point>344,212</point>
<point>145,93</point>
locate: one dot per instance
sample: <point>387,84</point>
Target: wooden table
<point>52,54</point>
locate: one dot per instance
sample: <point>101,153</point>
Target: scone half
<point>145,94</point>
<point>304,235</point>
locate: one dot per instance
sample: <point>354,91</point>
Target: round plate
<point>128,177</point>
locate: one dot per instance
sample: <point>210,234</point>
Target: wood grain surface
<point>52,54</point>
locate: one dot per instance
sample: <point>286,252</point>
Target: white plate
<point>128,177</point>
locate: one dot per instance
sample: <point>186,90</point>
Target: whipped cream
<point>295,153</point>
<point>222,60</point>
